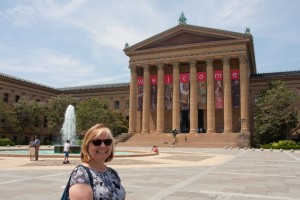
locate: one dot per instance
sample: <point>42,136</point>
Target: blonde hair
<point>91,134</point>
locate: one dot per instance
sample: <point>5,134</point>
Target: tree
<point>27,113</point>
<point>7,117</point>
<point>94,111</point>
<point>276,114</point>
<point>56,108</point>
<point>120,124</point>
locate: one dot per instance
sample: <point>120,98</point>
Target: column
<point>193,98</point>
<point>244,94</point>
<point>146,101</point>
<point>227,97</point>
<point>132,100</point>
<point>176,98</point>
<point>160,99</point>
<point>210,97</point>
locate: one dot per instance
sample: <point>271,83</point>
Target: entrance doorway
<point>200,128</point>
<point>184,121</point>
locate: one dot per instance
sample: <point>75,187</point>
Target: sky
<point>67,43</point>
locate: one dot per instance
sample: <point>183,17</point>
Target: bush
<point>282,144</point>
<point>5,142</point>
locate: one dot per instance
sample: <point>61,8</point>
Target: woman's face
<point>101,151</point>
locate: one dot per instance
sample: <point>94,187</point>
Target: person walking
<point>37,144</point>
<point>94,179</point>
<point>66,152</point>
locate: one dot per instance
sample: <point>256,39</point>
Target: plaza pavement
<point>174,174</point>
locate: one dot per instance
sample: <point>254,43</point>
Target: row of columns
<point>244,85</point>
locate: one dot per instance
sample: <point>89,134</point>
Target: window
<point>5,97</point>
<point>117,105</point>
<point>127,104</point>
<point>17,98</point>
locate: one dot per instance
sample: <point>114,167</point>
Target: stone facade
<point>182,50</point>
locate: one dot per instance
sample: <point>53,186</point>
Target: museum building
<point>200,81</point>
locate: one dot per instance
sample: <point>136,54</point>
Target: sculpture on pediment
<point>182,19</point>
<point>247,31</point>
<point>126,45</point>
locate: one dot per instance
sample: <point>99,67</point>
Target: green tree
<point>120,124</point>
<point>96,110</point>
<point>276,115</point>
<point>56,108</point>
<point>27,113</point>
<point>7,117</point>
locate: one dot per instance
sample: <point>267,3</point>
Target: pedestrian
<point>185,139</point>
<point>94,179</point>
<point>31,149</point>
<point>173,143</point>
<point>66,152</point>
<point>155,149</point>
<point>37,144</point>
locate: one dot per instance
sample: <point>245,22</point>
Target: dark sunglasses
<point>98,142</point>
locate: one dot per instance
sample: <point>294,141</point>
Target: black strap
<point>65,194</point>
<point>90,175</point>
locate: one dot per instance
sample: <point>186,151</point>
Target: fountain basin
<point>60,149</point>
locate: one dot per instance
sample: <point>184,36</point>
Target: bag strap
<point>90,175</point>
<point>66,191</point>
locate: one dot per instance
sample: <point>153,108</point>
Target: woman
<point>97,149</point>
<point>31,149</point>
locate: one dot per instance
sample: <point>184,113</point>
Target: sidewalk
<point>176,173</point>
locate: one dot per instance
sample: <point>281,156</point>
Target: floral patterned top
<point>106,185</point>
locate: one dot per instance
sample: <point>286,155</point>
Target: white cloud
<point>64,43</point>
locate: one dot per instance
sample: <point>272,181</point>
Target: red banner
<point>140,93</point>
<point>201,76</point>
<point>153,80</point>
<point>184,78</point>
<point>234,74</point>
<point>235,87</point>
<point>218,89</point>
<point>168,80</point>
<point>140,81</point>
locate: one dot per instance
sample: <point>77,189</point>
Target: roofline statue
<point>182,19</point>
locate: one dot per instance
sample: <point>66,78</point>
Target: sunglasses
<point>98,142</point>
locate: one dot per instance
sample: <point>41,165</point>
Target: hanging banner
<point>235,87</point>
<point>140,93</point>
<point>153,92</point>
<point>218,77</point>
<point>184,92</point>
<point>168,91</point>
<point>201,77</point>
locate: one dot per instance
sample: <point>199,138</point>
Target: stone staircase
<point>123,137</point>
<point>193,140</point>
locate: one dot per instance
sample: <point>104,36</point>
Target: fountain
<point>68,132</point>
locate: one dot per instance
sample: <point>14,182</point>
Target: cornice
<point>185,27</point>
<point>189,47</point>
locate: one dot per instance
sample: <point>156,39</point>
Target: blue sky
<point>62,43</point>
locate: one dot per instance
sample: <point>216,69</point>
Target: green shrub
<point>5,142</point>
<point>282,144</point>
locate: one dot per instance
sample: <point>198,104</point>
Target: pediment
<point>184,35</point>
<point>183,38</point>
